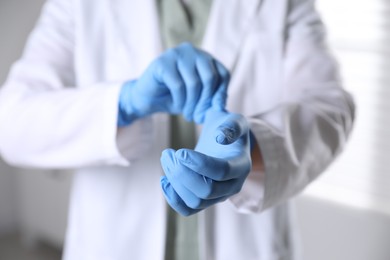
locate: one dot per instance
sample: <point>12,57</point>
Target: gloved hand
<point>216,170</point>
<point>182,80</point>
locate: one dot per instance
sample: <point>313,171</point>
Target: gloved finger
<point>168,158</point>
<point>208,74</point>
<point>214,168</point>
<point>220,96</point>
<point>189,198</point>
<point>174,200</point>
<point>193,86</point>
<point>204,187</point>
<point>168,75</point>
<point>175,172</point>
<point>232,128</point>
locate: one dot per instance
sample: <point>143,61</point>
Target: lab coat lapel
<point>137,21</point>
<point>137,25</point>
<point>228,22</point>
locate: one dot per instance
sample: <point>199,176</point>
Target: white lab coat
<point>58,109</point>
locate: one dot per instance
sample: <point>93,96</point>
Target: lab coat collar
<point>137,24</point>
<point>138,21</point>
<point>229,20</point>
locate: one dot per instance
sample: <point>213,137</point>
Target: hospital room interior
<point>344,214</point>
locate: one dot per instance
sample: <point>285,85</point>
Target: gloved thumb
<point>232,128</point>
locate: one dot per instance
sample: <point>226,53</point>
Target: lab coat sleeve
<point>45,121</point>
<point>308,128</point>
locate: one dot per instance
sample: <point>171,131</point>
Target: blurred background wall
<point>33,204</point>
<point>17,17</point>
<point>7,199</point>
<point>343,215</point>
<point>346,213</point>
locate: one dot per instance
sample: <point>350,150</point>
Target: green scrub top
<point>182,21</point>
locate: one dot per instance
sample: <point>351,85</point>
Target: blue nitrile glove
<point>183,80</point>
<point>216,170</point>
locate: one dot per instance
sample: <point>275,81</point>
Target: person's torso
<point>119,213</point>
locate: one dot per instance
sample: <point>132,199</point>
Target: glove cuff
<point>126,112</point>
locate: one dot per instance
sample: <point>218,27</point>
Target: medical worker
<point>95,90</point>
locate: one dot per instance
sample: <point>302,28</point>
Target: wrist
<point>256,156</point>
<point>252,141</point>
